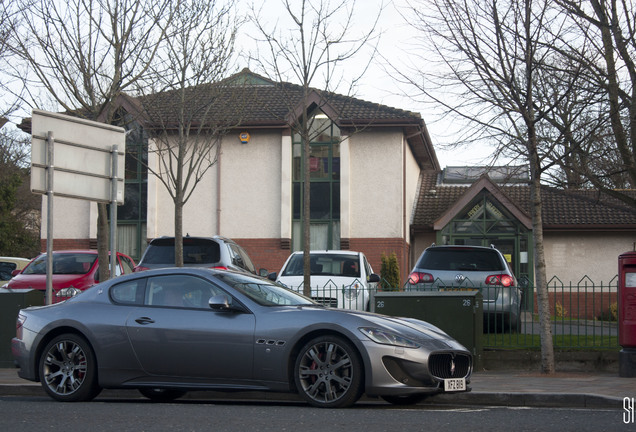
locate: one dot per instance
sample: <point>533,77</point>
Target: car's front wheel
<point>328,372</point>
<point>68,369</point>
<point>161,395</point>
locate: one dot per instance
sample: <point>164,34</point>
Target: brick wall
<point>65,244</point>
<point>272,253</point>
<point>269,254</point>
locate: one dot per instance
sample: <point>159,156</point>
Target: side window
<point>126,264</point>
<point>367,267</point>
<point>180,291</point>
<point>131,292</point>
<point>240,258</point>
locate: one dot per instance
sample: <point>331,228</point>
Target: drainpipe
<point>218,188</point>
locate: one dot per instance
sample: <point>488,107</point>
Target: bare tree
<point>186,108</point>
<point>609,27</point>
<point>493,55</point>
<point>310,44</point>
<point>81,55</point>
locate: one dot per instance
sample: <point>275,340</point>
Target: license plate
<point>455,384</point>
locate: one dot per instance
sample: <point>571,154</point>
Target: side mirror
<point>222,303</point>
<point>373,278</point>
<point>272,276</point>
<point>15,272</point>
<point>263,273</point>
<point>219,302</point>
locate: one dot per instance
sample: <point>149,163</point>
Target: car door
<point>176,334</point>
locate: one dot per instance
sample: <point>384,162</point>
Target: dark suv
<point>453,268</point>
<point>213,252</point>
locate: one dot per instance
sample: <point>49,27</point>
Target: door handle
<point>144,320</point>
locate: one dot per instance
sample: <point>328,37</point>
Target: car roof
<point>329,252</point>
<point>14,259</point>
<point>492,247</point>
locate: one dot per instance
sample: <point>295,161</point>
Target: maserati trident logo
<point>452,368</point>
<point>459,278</point>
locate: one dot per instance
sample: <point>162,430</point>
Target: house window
<point>131,217</point>
<point>324,172</point>
<point>484,222</point>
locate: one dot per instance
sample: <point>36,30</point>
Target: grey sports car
<point>168,331</point>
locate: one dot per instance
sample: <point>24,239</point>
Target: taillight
<point>500,279</point>
<point>140,268</point>
<point>19,324</point>
<point>219,268</point>
<point>419,277</point>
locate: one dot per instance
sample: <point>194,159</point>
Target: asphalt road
<point>40,413</point>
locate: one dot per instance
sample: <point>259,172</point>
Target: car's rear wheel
<point>162,395</point>
<point>328,372</point>
<point>68,369</point>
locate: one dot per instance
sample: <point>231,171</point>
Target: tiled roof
<point>566,210</point>
<point>247,99</point>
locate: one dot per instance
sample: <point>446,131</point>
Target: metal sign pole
<point>49,217</point>
<point>113,213</point>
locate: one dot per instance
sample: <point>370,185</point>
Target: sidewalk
<point>500,388</point>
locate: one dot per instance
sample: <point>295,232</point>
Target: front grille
<point>449,365</point>
<point>326,301</point>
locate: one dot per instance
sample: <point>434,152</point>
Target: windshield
<point>322,264</point>
<point>262,291</point>
<point>63,263</point>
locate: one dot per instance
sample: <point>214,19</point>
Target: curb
<point>509,399</point>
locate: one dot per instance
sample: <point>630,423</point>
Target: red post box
<point>627,313</point>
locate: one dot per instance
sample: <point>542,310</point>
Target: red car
<point>73,272</point>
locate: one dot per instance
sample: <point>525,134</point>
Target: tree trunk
<point>102,242</point>
<point>178,231</point>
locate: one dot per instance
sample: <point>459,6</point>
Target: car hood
<point>419,331</point>
<point>38,281</point>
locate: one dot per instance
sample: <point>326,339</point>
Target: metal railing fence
<point>583,314</point>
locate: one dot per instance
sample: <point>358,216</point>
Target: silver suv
<point>446,268</point>
<point>213,252</point>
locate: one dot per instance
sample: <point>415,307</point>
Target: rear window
<point>195,251</point>
<point>5,270</point>
<point>461,259</point>
<point>63,263</point>
<point>325,265</point>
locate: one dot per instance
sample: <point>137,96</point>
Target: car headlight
<point>386,337</point>
<point>351,292</point>
<point>68,292</point>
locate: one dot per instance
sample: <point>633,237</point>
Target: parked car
<point>339,278</point>
<point>9,265</point>
<point>471,268</point>
<point>213,252</point>
<point>73,272</point>
<point>168,331</point>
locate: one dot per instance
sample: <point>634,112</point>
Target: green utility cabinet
<point>458,313</point>
<point>10,305</point>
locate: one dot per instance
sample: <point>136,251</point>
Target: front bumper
<point>402,371</point>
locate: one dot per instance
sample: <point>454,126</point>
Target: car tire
<point>162,395</point>
<point>68,369</point>
<point>328,372</point>
<point>404,400</point>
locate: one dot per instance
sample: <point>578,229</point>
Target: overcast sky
<point>379,86</point>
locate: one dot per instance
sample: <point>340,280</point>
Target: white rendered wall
<point>73,218</point>
<point>376,184</point>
